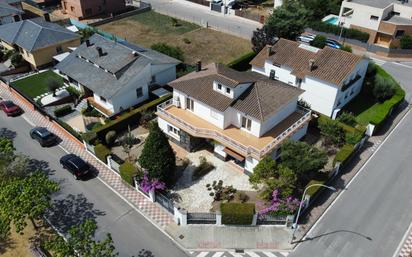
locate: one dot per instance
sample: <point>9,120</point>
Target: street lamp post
<point>295,225</point>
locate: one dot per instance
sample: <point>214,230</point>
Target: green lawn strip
<point>163,24</point>
<point>37,84</point>
<point>367,110</point>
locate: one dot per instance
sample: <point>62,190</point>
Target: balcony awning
<point>234,154</point>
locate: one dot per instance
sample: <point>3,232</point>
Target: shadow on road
<point>72,211</point>
<point>144,253</point>
<point>335,232</point>
<point>7,133</point>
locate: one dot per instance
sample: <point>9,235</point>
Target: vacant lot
<point>36,85</point>
<point>196,42</point>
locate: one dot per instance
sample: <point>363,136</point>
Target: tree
<point>348,118</point>
<point>266,168</point>
<point>288,21</point>
<point>406,42</point>
<point>262,37</point>
<point>172,51</point>
<point>16,59</point>
<point>80,241</point>
<point>86,33</point>
<point>6,146</point>
<point>157,156</point>
<point>331,131</point>
<point>285,182</point>
<point>346,48</point>
<point>53,84</point>
<point>383,88</point>
<point>321,8</point>
<point>319,41</point>
<point>301,157</point>
<point>26,198</point>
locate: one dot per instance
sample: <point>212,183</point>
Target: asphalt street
<point>371,216</point>
<point>78,200</point>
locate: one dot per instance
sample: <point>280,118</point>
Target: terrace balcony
<point>233,137</point>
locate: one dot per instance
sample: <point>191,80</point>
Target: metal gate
<point>268,219</point>
<point>201,218</point>
<point>164,201</point>
<point>217,7</point>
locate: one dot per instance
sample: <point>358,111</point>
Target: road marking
<point>202,254</point>
<point>398,249</point>
<point>252,254</point>
<point>218,254</point>
<point>401,64</point>
<point>64,149</point>
<point>269,254</point>
<point>354,177</point>
<point>28,121</point>
<point>378,61</point>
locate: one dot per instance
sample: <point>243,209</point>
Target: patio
<point>193,195</point>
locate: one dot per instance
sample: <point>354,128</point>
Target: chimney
<point>311,64</point>
<point>100,51</point>
<point>270,51</point>
<point>198,66</point>
<point>88,43</point>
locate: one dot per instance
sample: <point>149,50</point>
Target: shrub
<point>221,192</point>
<point>346,48</point>
<point>16,59</point>
<point>91,112</point>
<point>127,172</point>
<point>319,41</point>
<point>406,42</point>
<point>343,154</point>
<point>62,111</point>
<point>89,137</point>
<point>348,33</point>
<point>353,138</point>
<point>122,123</point>
<point>97,125</point>
<point>237,213</point>
<point>174,22</point>
<point>203,168</point>
<point>172,51</point>
<point>331,130</point>
<point>383,88</point>
<point>73,91</point>
<point>318,180</point>
<point>53,84</point>
<point>242,197</point>
<point>110,137</point>
<point>242,63</point>
<point>101,151</point>
<point>347,118</point>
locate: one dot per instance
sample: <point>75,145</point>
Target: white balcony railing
<point>248,150</point>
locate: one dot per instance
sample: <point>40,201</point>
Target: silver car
<point>306,38</point>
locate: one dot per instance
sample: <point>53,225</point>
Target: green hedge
<point>237,213</point>
<point>319,180</point>
<point>345,127</point>
<point>333,29</point>
<point>101,152</point>
<point>127,172</point>
<point>62,111</point>
<point>343,154</point>
<point>124,120</point>
<point>242,63</point>
<point>89,137</point>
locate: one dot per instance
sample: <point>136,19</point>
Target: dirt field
<point>197,43</point>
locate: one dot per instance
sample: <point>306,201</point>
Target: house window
<point>272,74</point>
<point>298,82</point>
<point>189,104</point>
<point>399,33</point>
<point>375,18</point>
<point>228,90</point>
<point>172,130</point>
<point>214,114</point>
<point>219,86</point>
<point>139,92</point>
<point>103,99</point>
<point>59,49</point>
<point>246,123</point>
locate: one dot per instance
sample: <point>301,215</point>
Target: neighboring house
<point>386,21</point>
<point>330,77</point>
<point>37,40</point>
<point>10,11</point>
<point>81,9</point>
<point>115,75</point>
<point>244,115</point>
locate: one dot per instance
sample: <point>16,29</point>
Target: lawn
<point>37,84</point>
<point>197,43</point>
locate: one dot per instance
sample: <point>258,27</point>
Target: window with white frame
<point>173,130</point>
<point>139,92</point>
<point>219,86</point>
<point>246,123</point>
<point>227,90</point>
<point>189,104</point>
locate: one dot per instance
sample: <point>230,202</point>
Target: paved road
<point>77,200</point>
<point>371,217</point>
<point>201,15</point>
<point>402,73</point>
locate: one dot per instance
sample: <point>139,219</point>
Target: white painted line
<point>202,254</point>
<point>269,254</point>
<point>218,254</point>
<point>398,249</point>
<point>28,121</point>
<point>356,175</point>
<point>252,254</point>
<point>64,149</point>
<point>236,254</point>
<point>285,253</point>
<point>403,65</point>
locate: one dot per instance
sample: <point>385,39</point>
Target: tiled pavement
<point>245,254</point>
<point>406,249</point>
<point>152,211</point>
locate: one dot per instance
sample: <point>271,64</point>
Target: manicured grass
<point>367,110</point>
<point>197,43</point>
<point>37,84</point>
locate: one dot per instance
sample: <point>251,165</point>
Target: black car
<point>43,136</point>
<point>75,165</point>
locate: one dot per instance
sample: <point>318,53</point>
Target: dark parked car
<point>43,136</point>
<point>75,165</point>
<point>10,108</point>
<point>333,43</point>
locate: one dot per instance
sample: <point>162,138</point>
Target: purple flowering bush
<point>278,206</point>
<point>147,184</point>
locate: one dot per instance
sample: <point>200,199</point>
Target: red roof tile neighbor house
<point>81,9</point>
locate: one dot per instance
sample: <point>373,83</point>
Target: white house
<point>115,75</point>
<point>10,11</point>
<point>245,115</point>
<point>330,77</point>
